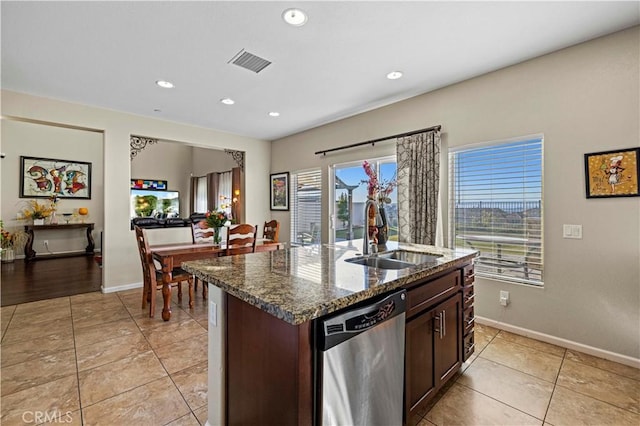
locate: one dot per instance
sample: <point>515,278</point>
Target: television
<point>157,204</point>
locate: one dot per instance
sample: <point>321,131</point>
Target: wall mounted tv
<point>158,204</point>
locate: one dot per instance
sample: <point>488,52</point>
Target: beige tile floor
<point>98,359</point>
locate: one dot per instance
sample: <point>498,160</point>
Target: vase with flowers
<point>216,219</point>
<point>37,212</point>
<point>379,191</point>
<point>6,244</point>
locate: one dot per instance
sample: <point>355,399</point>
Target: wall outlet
<point>504,298</point>
<point>46,243</point>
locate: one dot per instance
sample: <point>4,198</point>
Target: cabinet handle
<point>444,323</point>
<point>440,324</point>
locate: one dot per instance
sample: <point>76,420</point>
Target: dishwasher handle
<point>351,322</point>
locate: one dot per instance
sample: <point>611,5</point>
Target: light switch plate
<point>572,231</point>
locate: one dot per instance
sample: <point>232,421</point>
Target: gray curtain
<point>418,159</point>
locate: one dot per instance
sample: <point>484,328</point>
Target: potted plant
<point>37,212</point>
<point>6,244</point>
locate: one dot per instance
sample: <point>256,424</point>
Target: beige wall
<point>38,140</point>
<point>121,261</point>
<point>583,99</point>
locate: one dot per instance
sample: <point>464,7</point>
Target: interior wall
<point>583,99</point>
<point>170,161</point>
<point>208,160</point>
<point>39,140</point>
<point>121,263</point>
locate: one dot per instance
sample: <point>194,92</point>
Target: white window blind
<point>306,207</point>
<point>496,208</point>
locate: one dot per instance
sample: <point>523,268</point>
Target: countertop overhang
<point>303,283</point>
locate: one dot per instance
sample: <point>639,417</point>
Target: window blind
<point>496,208</point>
<point>306,207</point>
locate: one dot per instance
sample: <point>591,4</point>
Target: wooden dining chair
<point>201,232</point>
<point>271,231</point>
<point>241,239</point>
<point>152,274</point>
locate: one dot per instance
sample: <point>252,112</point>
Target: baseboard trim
<point>568,344</point>
<point>120,287</point>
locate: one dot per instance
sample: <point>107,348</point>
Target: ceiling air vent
<point>249,61</point>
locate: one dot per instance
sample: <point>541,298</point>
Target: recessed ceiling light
<point>165,84</point>
<point>274,114</point>
<point>394,75</point>
<point>227,101</point>
<point>294,17</point>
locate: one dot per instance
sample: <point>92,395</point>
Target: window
<point>350,195</point>
<point>496,208</point>
<point>306,207</point>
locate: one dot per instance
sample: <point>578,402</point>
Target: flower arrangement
<point>35,210</point>
<point>376,189</point>
<point>217,218</point>
<point>6,237</point>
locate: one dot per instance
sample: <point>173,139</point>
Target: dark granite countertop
<point>302,283</point>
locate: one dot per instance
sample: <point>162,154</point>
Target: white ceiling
<point>109,54</point>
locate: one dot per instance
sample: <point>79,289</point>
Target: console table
<point>30,254</point>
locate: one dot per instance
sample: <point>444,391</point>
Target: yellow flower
<point>37,210</point>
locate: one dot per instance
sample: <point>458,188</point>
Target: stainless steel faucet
<point>370,246</point>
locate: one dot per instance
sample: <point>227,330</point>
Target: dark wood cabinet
<point>434,339</point>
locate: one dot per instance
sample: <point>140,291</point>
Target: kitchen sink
<point>379,262</point>
<point>411,257</point>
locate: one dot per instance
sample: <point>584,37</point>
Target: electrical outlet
<point>46,243</point>
<point>504,298</point>
<point>213,312</point>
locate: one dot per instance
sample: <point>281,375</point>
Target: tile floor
<point>98,359</point>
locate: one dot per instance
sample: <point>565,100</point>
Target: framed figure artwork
<point>612,173</point>
<point>48,177</point>
<point>279,191</point>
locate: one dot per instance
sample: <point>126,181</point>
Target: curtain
<point>418,159</point>
<point>224,190</point>
<point>237,210</point>
<point>193,195</point>
<point>212,191</point>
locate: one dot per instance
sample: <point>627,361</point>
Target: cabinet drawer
<point>468,274</point>
<point>469,320</point>
<point>468,296</point>
<point>469,346</point>
<point>425,295</point>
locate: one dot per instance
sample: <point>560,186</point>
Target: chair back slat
<point>201,232</point>
<point>241,239</point>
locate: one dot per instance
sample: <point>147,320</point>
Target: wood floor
<point>22,282</point>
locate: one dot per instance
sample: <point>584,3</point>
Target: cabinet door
<point>419,378</point>
<point>447,338</point>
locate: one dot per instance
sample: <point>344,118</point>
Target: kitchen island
<point>262,308</point>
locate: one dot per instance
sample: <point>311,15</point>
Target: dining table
<point>171,256</point>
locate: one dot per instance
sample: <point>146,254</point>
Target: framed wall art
<point>155,185</point>
<point>279,191</point>
<point>612,173</point>
<point>46,177</point>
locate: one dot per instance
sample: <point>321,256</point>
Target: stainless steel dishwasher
<point>361,359</point>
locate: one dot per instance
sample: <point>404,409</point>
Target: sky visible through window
<point>355,175</point>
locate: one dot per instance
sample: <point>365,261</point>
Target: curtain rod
<point>373,141</point>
